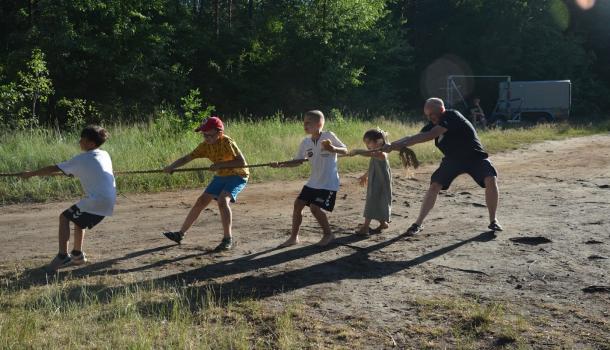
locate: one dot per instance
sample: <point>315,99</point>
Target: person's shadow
<point>40,276</point>
<point>354,266</point>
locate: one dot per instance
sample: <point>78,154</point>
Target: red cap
<point>211,123</point>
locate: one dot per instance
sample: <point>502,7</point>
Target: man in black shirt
<point>455,136</point>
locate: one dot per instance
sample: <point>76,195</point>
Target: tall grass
<point>135,147</point>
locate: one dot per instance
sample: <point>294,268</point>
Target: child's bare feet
<point>363,230</point>
<point>382,226</point>
<point>326,239</point>
<point>290,242</point>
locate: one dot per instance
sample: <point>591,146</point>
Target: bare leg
<point>79,236</point>
<point>319,214</point>
<point>201,203</point>
<point>297,219</point>
<point>429,200</point>
<point>64,234</point>
<point>226,215</point>
<point>492,195</point>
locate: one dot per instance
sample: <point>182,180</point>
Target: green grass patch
<point>138,147</point>
<point>470,324</point>
<point>106,312</point>
<point>74,314</point>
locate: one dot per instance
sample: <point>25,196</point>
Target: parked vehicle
<point>534,101</point>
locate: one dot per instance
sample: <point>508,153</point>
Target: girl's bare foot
<point>290,242</point>
<point>363,230</point>
<point>382,226</point>
<point>326,239</point>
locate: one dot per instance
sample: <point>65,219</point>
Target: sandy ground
<point>557,190</point>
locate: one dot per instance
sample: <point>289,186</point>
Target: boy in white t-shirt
<point>93,168</point>
<point>320,191</point>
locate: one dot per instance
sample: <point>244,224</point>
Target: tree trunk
<point>230,10</point>
<point>324,16</point>
<point>34,98</point>
<point>217,16</point>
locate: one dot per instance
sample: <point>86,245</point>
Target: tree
<point>35,82</point>
<point>255,57</point>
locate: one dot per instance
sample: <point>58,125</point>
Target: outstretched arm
<point>178,163</point>
<point>418,138</point>
<point>367,153</point>
<point>289,164</point>
<point>49,170</point>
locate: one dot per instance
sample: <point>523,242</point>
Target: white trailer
<point>547,100</point>
<point>538,101</point>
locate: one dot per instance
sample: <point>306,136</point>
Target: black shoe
<point>226,244</point>
<point>495,226</point>
<point>60,260</point>
<point>414,229</point>
<point>174,236</point>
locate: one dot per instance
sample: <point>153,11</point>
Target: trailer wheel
<point>499,122</point>
<point>537,117</point>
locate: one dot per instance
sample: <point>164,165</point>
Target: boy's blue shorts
<point>233,185</point>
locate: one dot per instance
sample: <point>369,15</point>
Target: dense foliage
<point>70,62</point>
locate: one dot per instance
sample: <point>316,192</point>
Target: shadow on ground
<point>199,282</point>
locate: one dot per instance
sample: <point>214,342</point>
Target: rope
<point>249,166</point>
<point>157,171</point>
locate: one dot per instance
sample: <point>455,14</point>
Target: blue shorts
<point>233,185</point>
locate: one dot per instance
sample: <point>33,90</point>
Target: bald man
<point>463,153</point>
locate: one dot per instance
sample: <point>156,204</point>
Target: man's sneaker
<point>226,244</point>
<point>80,259</point>
<point>176,236</point>
<point>59,262</point>
<point>414,229</point>
<point>495,226</point>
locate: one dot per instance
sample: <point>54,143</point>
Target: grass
<point>136,147</point>
<point>73,314</point>
<point>111,312</point>
<point>96,312</point>
<point>470,324</point>
<point>106,312</point>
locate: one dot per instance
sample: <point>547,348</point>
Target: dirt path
<point>557,190</point>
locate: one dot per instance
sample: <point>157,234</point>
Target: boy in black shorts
<point>93,168</point>
<point>320,192</point>
<point>455,136</point>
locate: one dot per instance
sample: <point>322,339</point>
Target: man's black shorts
<point>324,199</point>
<point>82,219</point>
<point>449,169</point>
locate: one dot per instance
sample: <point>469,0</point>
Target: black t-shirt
<point>460,141</point>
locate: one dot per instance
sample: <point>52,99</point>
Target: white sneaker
<point>79,259</point>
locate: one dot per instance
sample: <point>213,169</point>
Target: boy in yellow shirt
<point>230,179</point>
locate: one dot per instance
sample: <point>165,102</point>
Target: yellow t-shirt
<point>223,150</point>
